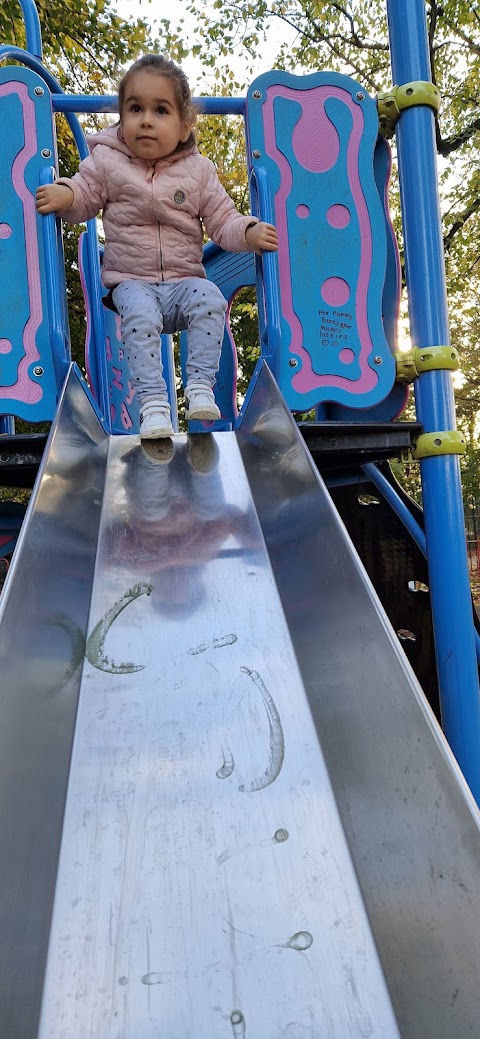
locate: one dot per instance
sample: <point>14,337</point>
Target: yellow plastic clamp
<point>406,368</point>
<point>391,104</point>
<point>445,442</point>
<point>432,358</point>
<point>388,112</point>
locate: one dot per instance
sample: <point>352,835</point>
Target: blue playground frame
<point>443,541</point>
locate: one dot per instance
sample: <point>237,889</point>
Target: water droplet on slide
<point>237,1021</point>
<point>301,941</point>
<point>152,979</point>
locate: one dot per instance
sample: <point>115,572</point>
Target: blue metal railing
<point>108,103</point>
<point>266,267</point>
<point>405,516</point>
<point>58,333</point>
<point>33,32</point>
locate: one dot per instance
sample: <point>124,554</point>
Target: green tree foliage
<point>85,42</point>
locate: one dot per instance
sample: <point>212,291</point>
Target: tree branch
<point>83,46</point>
<point>431,36</point>
<point>334,49</point>
<point>460,222</point>
<point>457,31</point>
<point>447,145</point>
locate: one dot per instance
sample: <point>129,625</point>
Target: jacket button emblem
<point>179,197</point>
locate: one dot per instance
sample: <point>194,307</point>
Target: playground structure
<point>227,807</point>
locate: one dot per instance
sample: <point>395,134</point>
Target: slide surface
<point>226,808</point>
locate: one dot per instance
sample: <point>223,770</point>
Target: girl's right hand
<point>53,198</point>
<point>262,237</point>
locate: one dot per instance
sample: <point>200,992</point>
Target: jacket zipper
<point>160,254</point>
<point>160,251</point>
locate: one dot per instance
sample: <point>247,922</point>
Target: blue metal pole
<point>441,483</point>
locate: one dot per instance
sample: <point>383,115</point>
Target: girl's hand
<point>53,198</point>
<point>260,237</point>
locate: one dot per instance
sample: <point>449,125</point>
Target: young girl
<point>155,191</point>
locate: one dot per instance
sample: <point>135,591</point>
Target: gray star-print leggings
<point>147,309</point>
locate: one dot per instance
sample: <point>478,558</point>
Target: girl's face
<point>151,123</point>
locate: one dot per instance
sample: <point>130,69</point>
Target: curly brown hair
<point>188,111</point>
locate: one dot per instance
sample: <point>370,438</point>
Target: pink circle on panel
<point>5,230</point>
<point>302,211</point>
<point>5,346</point>
<point>338,216</point>
<point>335,291</point>
<point>346,356</point>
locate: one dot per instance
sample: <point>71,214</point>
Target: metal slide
<point>225,807</point>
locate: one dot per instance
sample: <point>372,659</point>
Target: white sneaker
<point>155,420</point>
<point>201,403</point>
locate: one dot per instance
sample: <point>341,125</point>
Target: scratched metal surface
<point>204,887</point>
<point>43,616</point>
<point>411,824</point>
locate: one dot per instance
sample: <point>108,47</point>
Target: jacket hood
<point>112,138</point>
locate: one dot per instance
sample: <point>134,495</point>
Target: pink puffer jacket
<point>153,215</point>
